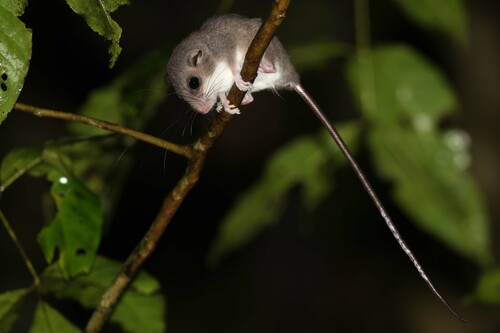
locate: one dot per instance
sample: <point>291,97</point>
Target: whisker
<point>124,151</point>
<point>192,121</point>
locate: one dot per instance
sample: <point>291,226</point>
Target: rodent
<point>205,65</point>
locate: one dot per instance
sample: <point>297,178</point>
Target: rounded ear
<point>195,57</point>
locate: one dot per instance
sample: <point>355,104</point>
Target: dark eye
<point>194,82</point>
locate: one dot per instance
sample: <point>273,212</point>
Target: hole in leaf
<point>4,76</point>
<point>81,252</point>
<point>3,86</point>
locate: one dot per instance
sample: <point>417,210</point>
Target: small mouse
<point>205,65</point>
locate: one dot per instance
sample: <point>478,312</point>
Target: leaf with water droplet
<point>76,229</point>
<point>433,188</point>
<point>404,87</point>
<point>15,54</point>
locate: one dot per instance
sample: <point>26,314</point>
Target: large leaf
<point>15,54</point>
<point>132,100</point>
<point>49,320</point>
<point>427,167</point>
<point>16,7</point>
<point>75,231</point>
<point>97,14</point>
<point>446,16</point>
<point>407,87</point>
<point>308,161</point>
<point>10,302</point>
<point>38,161</point>
<point>17,163</point>
<point>431,183</point>
<point>141,309</point>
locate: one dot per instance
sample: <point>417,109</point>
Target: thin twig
<point>173,200</point>
<point>185,151</point>
<point>27,261</point>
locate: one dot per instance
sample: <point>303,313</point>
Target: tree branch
<point>173,200</point>
<point>185,151</point>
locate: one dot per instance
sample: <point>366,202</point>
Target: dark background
<point>335,270</point>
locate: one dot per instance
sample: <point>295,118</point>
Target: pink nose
<point>203,106</point>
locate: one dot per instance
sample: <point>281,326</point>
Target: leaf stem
<point>26,260</point>
<point>19,173</point>
<point>193,170</point>
<point>366,73</point>
<point>186,151</point>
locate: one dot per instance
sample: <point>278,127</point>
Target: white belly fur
<point>220,81</point>
<point>266,80</point>
<point>263,80</point>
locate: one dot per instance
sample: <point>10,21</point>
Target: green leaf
<point>446,16</point>
<point>15,54</point>
<point>308,162</point>
<point>104,102</point>
<point>97,14</point>
<point>10,302</point>
<point>76,229</point>
<point>431,184</point>
<point>131,99</point>
<point>49,320</point>
<point>316,55</point>
<point>408,88</point>
<point>428,170</point>
<point>38,161</point>
<point>488,287</point>
<point>17,163</point>
<point>16,7</point>
<point>141,309</point>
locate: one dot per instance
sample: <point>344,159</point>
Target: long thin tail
<point>357,170</point>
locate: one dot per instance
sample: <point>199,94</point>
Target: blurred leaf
<point>308,162</point>
<point>141,309</point>
<point>427,168</point>
<point>316,55</point>
<point>446,16</point>
<point>17,163</point>
<point>10,302</point>
<point>132,100</point>
<point>488,287</point>
<point>38,161</point>
<point>407,88</point>
<point>432,185</point>
<point>49,320</point>
<point>75,231</point>
<point>103,102</point>
<point>97,15</point>
<point>15,54</point>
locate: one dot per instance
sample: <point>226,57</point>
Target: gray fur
<point>218,38</point>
